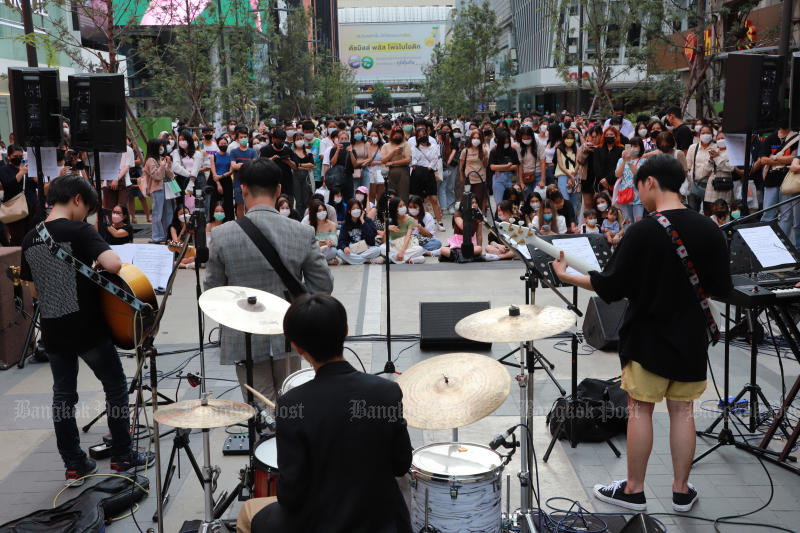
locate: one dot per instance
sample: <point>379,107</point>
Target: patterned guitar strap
<point>694,279</point>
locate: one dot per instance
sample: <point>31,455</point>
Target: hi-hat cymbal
<point>453,390</point>
<point>500,324</point>
<point>245,309</point>
<point>193,414</point>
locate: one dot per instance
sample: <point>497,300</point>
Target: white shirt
<point>207,151</point>
<point>429,224</point>
<point>425,156</point>
<point>412,142</point>
<point>627,128</point>
<point>127,163</point>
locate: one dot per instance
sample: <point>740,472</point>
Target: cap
<point>363,189</point>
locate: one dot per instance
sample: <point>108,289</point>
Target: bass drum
<point>463,483</point>
<point>295,379</point>
<point>265,473</point>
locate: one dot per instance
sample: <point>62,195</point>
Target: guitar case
<point>85,513</point>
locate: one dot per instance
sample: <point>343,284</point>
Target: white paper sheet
<point>154,260</point>
<point>109,165</point>
<point>581,248</point>
<point>735,144</point>
<point>50,168</point>
<point>766,246</point>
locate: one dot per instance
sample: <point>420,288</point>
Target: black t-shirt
<point>8,179</point>
<point>664,328</point>
<point>69,303</point>
<point>684,137</point>
<point>504,156</point>
<point>568,213</point>
<point>110,239</point>
<point>284,154</point>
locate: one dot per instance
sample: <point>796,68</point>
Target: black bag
<point>722,184</point>
<point>600,413</point>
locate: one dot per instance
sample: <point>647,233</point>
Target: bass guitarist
<point>73,327</point>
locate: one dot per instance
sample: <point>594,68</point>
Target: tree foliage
<point>334,85</point>
<point>291,66</point>
<point>381,96</point>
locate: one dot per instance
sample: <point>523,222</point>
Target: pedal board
<point>236,444</point>
<point>100,451</point>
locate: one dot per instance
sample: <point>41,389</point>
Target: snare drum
<point>266,468</point>
<point>295,379</point>
<point>464,488</point>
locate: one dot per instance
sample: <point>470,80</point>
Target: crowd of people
<point>353,178</point>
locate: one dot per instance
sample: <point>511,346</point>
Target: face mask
<point>735,214</point>
<point>487,134</point>
<point>543,129</point>
<point>654,134</point>
<point>170,145</point>
<point>527,141</point>
<point>337,200</point>
<point>66,132</point>
<point>721,143</point>
<point>358,136</point>
<point>219,217</point>
<point>697,128</point>
<point>705,138</point>
<point>290,133</point>
<point>116,218</point>
<point>413,211</point>
<point>457,135</point>
<point>513,133</point>
<point>527,124</point>
<point>355,213</point>
<point>374,139</point>
<point>548,216</point>
<point>507,145</point>
<point>602,206</point>
<point>360,197</point>
<point>183,144</point>
<point>508,121</point>
<point>243,142</point>
<point>182,218</point>
<point>591,222</point>
<point>162,150</point>
<point>309,136</point>
<point>300,143</point>
<point>331,131</point>
<point>322,215</point>
<point>642,132</point>
<point>402,211</point>
<point>408,127</point>
<point>476,142</point>
<point>277,144</point>
<point>231,128</point>
<point>567,124</point>
<point>635,152</point>
<point>569,142</point>
<point>610,140</point>
<point>504,218</point>
<point>208,137</point>
<point>535,206</point>
<point>284,211</point>
<point>223,148</point>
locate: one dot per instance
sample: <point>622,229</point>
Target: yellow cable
<point>135,508</point>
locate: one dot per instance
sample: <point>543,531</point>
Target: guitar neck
<point>523,235</point>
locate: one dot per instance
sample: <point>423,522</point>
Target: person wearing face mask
<point>217,219</point>
<point>590,222</point>
<point>312,147</point>
<point>240,154</point>
<point>283,155</point>
<point>425,226</point>
<point>13,180</point>
<point>362,195</point>
<point>449,165</point>
<point>719,212</point>
<point>627,197</point>
<point>720,183</point>
<point>423,179</point>
<point>531,157</point>
<point>530,208</point>
<point>495,249</point>
<point>338,168</point>
<point>376,168</point>
<point>566,169</point>
<point>360,157</point>
<point>301,176</point>
<point>504,163</point>
<point>697,126</point>
<point>222,177</point>
<point>338,203</point>
<point>209,147</point>
<point>329,136</point>
<point>474,160</point>
<point>684,136</point>
<point>156,171</point>
<point>407,123</point>
<point>606,157</point>
<point>699,172</point>
<point>177,230</point>
<point>396,156</point>
<point>284,207</point>
<point>325,230</point>
<point>358,232</point>
<point>116,229</point>
<point>777,153</point>
<point>587,167</point>
<point>403,246</point>
<point>186,164</point>
<point>602,202</point>
<point>549,222</point>
<point>115,187</point>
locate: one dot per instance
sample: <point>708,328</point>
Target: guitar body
<point>127,326</point>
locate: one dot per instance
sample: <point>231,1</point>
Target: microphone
<point>201,248</point>
<point>467,248</point>
<point>498,440</point>
<point>193,379</point>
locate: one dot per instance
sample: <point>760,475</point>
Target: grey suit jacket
<point>235,260</point>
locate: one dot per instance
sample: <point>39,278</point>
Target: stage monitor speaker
<point>643,523</point>
<point>13,325</point>
<point>437,326</point>
<point>97,112</point>
<point>752,102</point>
<point>35,106</point>
<point>602,322</point>
<point>794,99</point>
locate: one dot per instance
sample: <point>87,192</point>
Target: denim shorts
<point>237,192</point>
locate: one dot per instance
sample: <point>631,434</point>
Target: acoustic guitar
<point>128,327</point>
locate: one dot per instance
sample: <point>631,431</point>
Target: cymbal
<point>453,390</point>
<point>193,414</point>
<point>233,307</point>
<point>499,325</point>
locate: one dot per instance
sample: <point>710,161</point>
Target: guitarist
<point>72,325</point>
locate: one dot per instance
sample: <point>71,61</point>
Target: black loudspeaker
<point>602,322</point>
<point>643,523</point>
<point>437,326</point>
<point>794,99</point>
<point>97,112</point>
<point>35,105</point>
<point>752,102</point>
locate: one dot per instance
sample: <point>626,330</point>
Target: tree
<point>248,87</point>
<point>292,66</point>
<point>334,85</point>
<point>381,96</point>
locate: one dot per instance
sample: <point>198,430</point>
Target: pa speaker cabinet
<point>35,106</point>
<point>752,102</point>
<point>97,112</point>
<point>642,523</point>
<point>602,322</point>
<point>794,99</point>
<point>13,325</point>
<point>437,326</point>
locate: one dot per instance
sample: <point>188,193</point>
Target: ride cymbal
<point>244,309</point>
<point>195,415</point>
<point>515,323</point>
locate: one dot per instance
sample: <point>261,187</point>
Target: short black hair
<point>325,341</point>
<point>207,128</point>
<point>674,110</point>
<point>239,130</point>
<point>279,133</point>
<point>307,125</point>
<point>666,169</point>
<point>13,148</point>
<point>64,188</point>
<point>262,176</point>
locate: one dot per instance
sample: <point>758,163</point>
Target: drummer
<point>341,439</point>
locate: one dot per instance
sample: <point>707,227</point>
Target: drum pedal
<point>236,444</point>
<point>100,451</point>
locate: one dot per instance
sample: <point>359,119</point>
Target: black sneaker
<point>74,475</point>
<point>123,464</point>
<point>682,501</point>
<point>615,495</point>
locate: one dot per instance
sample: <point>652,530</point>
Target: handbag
<point>776,175</point>
<point>791,184</point>
<point>724,184</point>
<point>15,208</point>
<point>626,195</point>
<point>698,188</point>
<point>359,247</point>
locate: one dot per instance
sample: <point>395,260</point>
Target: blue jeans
<point>789,216</point>
<point>562,186</point>
<point>359,259</point>
<point>549,175</point>
<point>432,245</point>
<point>501,182</point>
<point>162,211</point>
<point>446,187</point>
<point>632,211</point>
<point>105,363</point>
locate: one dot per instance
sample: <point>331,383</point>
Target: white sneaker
<point>377,260</point>
<point>417,260</point>
<point>436,253</point>
<point>440,226</point>
<point>491,257</point>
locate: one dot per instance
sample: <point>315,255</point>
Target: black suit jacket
<point>342,440</point>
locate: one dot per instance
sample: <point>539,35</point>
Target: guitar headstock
<point>14,273</point>
<point>175,246</point>
<point>519,234</point>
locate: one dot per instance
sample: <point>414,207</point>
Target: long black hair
<point>312,213</point>
<point>186,135</point>
<point>523,148</point>
<point>416,200</point>
<point>349,223</point>
<point>154,148</point>
<point>553,135</point>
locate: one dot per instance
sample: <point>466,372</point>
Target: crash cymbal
<point>501,324</point>
<point>453,390</point>
<point>193,414</point>
<point>244,309</point>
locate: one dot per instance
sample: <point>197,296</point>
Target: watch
<point>775,157</point>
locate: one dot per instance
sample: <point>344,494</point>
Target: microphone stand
<point>389,367</point>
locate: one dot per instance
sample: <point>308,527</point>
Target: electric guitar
<point>177,246</point>
<point>524,235</point>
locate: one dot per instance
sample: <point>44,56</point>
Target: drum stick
<point>260,396</point>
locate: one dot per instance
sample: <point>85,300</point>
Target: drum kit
<point>452,483</point>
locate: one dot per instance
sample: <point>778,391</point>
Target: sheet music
<point>766,246</point>
<point>581,248</point>
<point>50,168</point>
<point>109,165</point>
<point>154,260</point>
<point>736,145</point>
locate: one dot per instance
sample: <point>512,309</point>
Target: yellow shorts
<point>645,386</point>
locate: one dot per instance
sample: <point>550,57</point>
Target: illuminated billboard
<point>182,12</point>
<point>385,52</point>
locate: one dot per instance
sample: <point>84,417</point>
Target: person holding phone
<point>283,155</point>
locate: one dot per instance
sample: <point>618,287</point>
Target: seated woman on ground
<point>357,237</point>
<point>425,226</point>
<point>330,208</point>
<point>549,222</point>
<point>530,209</point>
<point>177,231</point>
<point>495,248</point>
<point>378,212</point>
<point>403,247</point>
<point>284,207</point>
<point>118,229</point>
<point>326,231</point>
<point>452,251</point>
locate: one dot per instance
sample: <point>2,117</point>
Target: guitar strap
<point>91,274</point>
<point>691,273</point>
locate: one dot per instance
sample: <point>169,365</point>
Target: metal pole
<point>783,50</point>
<point>27,22</point>
<point>580,58</point>
<point>524,476</point>
<point>156,440</point>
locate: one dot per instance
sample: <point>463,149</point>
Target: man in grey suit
<point>235,260</point>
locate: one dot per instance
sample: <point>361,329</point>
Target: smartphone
<point>628,147</point>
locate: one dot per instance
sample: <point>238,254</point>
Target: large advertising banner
<point>383,52</point>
